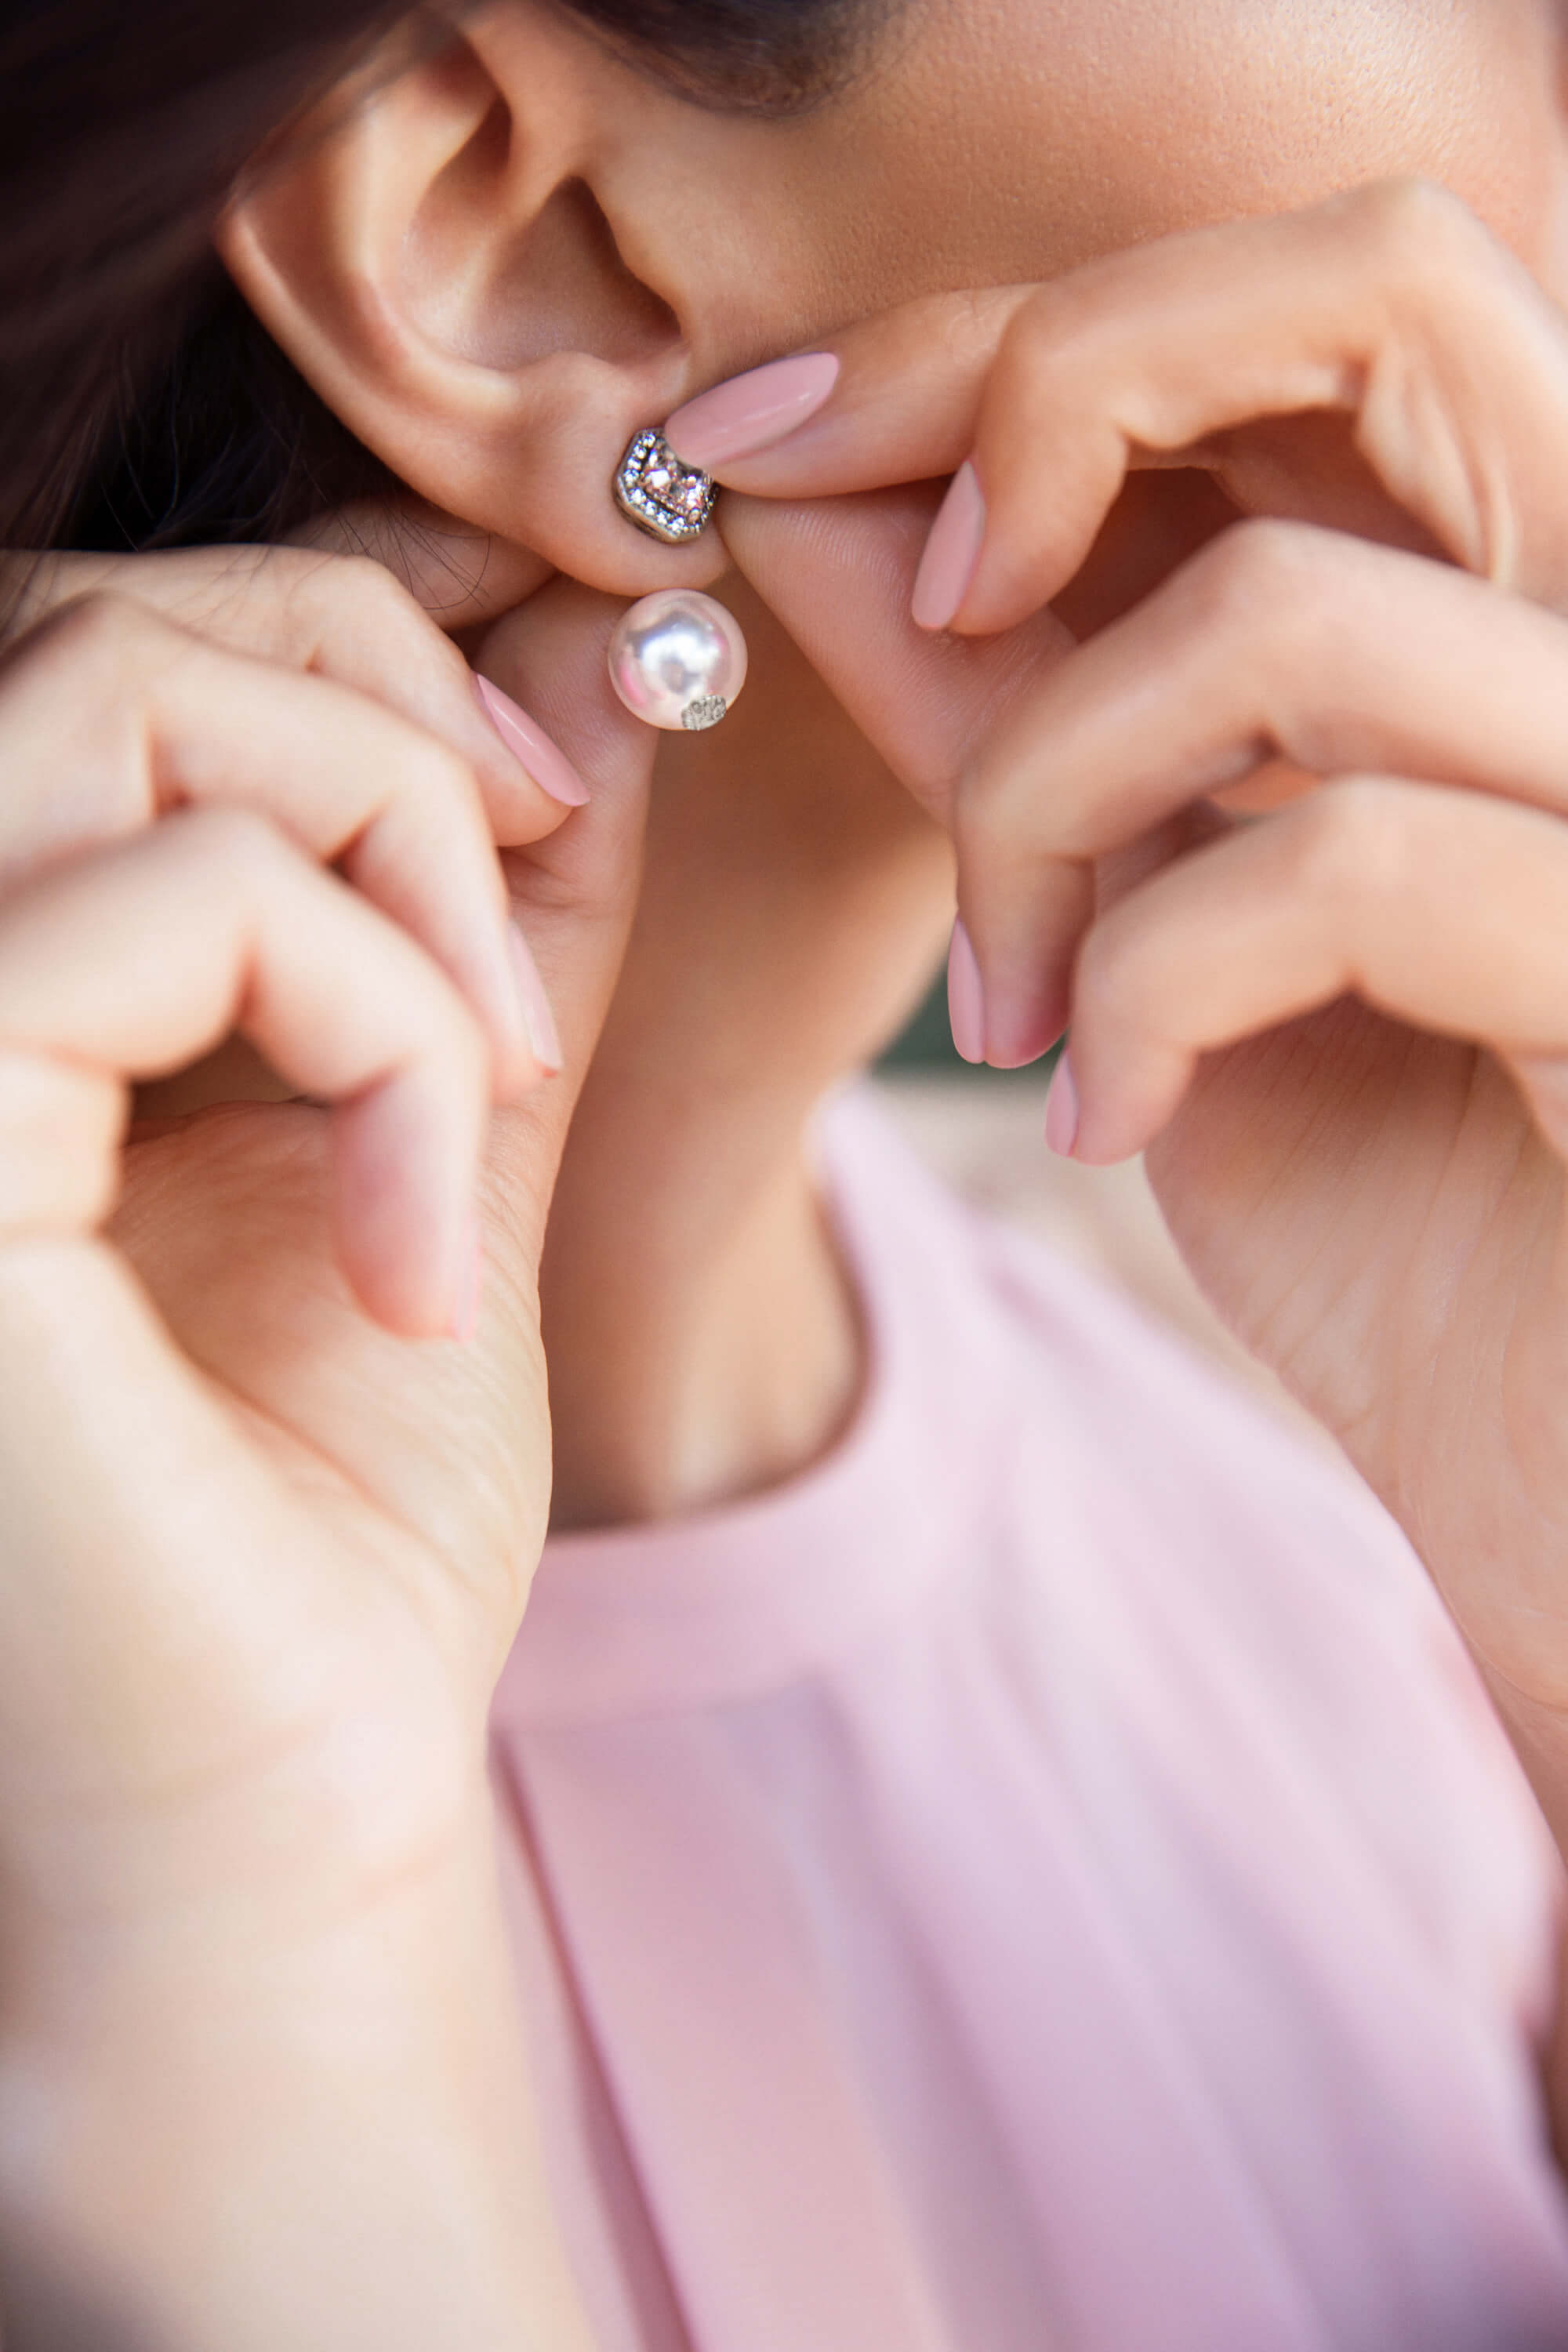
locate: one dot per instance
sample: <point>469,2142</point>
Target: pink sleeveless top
<point>1046,1878</point>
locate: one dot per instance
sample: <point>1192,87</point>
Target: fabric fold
<point>1045,1881</point>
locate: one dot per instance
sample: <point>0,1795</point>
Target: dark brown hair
<point>141,404</point>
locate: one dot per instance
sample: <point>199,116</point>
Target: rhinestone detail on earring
<point>655,490</point>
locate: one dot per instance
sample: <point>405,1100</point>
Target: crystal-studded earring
<point>655,490</point>
<point>678,659</point>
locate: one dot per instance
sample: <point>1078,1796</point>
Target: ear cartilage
<point>678,659</point>
<point>655,490</point>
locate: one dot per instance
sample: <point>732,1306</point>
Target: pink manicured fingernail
<point>965,996</point>
<point>466,1315</point>
<point>538,1019</point>
<point>526,740</point>
<point>1061,1110</point>
<point>952,552</point>
<point>751,412</point>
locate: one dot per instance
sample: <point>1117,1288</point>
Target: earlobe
<point>436,265</point>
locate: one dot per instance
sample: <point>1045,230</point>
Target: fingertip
<point>407,1309</point>
<point>1117,1119</point>
<point>414,1295</point>
<point>965,996</point>
<point>952,553</point>
<point>403,1178</point>
<point>541,760</point>
<point>1062,1109</point>
<point>1024,1019</point>
<point>751,412</point>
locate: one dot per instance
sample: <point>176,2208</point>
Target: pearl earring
<point>678,659</point>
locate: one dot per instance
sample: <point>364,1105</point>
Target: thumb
<point>574,893</point>
<point>839,573</point>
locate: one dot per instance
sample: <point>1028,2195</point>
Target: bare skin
<point>971,153</point>
<point>453,296</point>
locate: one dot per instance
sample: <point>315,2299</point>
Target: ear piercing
<point>655,490</point>
<point>678,659</point>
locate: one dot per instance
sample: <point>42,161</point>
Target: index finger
<point>343,617</point>
<point>1393,305</point>
<point>902,405</point>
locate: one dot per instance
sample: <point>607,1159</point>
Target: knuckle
<point>1353,844</point>
<point>1416,230</point>
<point>432,796</point>
<point>60,1128</point>
<point>352,601</point>
<point>1050,332</point>
<point>1262,576</point>
<point>104,631</point>
<point>357,593</point>
<point>365,586</point>
<point>435,769</point>
<point>365,577</point>
<point>234,840</point>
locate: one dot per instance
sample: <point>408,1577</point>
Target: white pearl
<point>678,659</point>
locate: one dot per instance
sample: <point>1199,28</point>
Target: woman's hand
<point>1342,1025</point>
<point>271,1504</point>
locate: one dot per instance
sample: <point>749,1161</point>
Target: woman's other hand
<point>274,1457</point>
<point>1339,1024</point>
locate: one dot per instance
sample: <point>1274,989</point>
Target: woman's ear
<point>434,260</point>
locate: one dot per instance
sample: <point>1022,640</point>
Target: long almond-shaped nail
<point>952,552</point>
<point>1061,1109</point>
<point>965,996</point>
<point>538,1019</point>
<point>751,412</point>
<point>527,742</point>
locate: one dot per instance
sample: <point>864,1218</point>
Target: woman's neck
<point>702,1335</point>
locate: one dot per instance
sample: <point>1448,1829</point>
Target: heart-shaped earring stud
<point>655,490</point>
